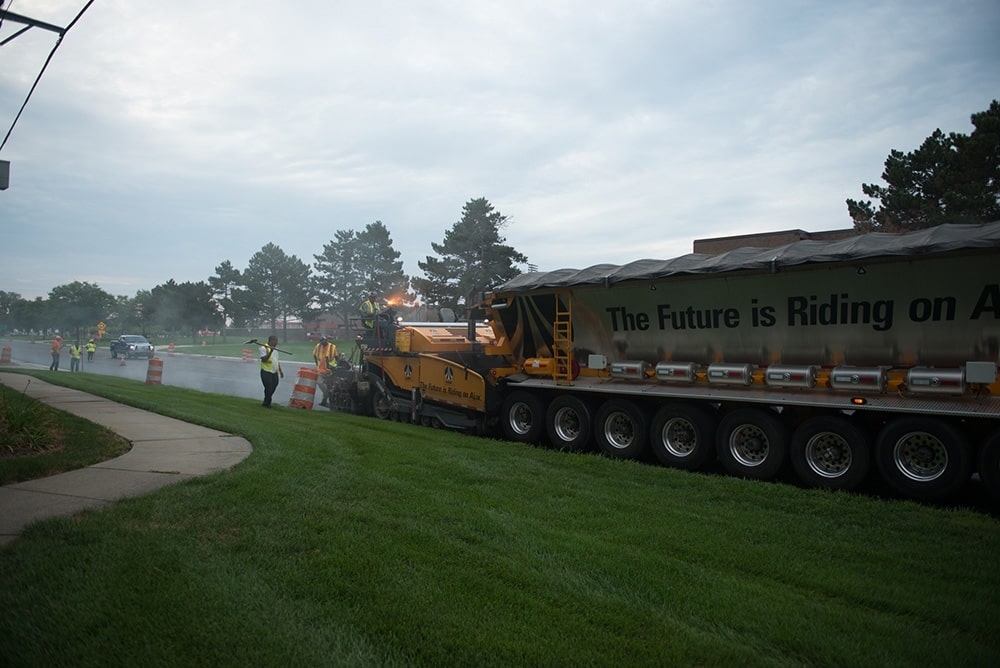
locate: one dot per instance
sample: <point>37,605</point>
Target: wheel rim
<point>828,455</point>
<point>920,456</point>
<point>679,437</point>
<point>520,418</point>
<point>748,445</point>
<point>566,424</point>
<point>619,431</point>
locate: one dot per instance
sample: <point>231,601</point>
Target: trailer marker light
<point>859,401</point>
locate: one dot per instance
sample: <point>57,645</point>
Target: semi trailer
<point>836,360</point>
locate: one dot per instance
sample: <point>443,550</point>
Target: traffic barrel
<point>304,391</point>
<point>247,355</point>
<point>5,355</point>
<point>154,372</point>
<point>170,349</point>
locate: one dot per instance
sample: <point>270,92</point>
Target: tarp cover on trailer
<point>931,240</point>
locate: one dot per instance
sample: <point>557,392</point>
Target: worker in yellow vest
<point>270,369</point>
<point>74,356</point>
<point>91,349</point>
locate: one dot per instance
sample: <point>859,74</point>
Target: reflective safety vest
<point>91,346</point>
<point>325,353</point>
<point>272,365</point>
<point>74,351</point>
<point>368,308</point>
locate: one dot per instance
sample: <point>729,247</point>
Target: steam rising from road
<point>217,375</point>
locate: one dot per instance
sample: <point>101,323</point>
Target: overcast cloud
<point>167,137</point>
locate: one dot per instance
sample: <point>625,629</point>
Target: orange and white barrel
<point>5,355</point>
<point>170,349</point>
<point>247,355</point>
<point>154,372</point>
<point>304,391</point>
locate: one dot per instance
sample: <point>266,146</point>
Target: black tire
<point>923,458</point>
<point>752,443</point>
<point>620,429</point>
<point>522,417</point>
<point>830,452</point>
<point>568,424</point>
<point>381,406</point>
<point>683,436</point>
<point>989,464</point>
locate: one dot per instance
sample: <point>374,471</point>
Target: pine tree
<point>951,178</point>
<point>473,258</point>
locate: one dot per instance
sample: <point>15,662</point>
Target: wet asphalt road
<point>219,375</point>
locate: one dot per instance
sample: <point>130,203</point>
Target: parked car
<point>131,345</point>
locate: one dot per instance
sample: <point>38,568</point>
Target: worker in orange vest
<point>325,356</point>
<point>55,350</point>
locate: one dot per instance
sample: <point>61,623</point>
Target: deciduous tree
<point>8,306</point>
<point>182,307</point>
<point>79,306</point>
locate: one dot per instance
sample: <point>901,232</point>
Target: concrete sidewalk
<point>164,451</point>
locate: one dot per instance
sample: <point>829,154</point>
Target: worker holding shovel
<point>270,369</point>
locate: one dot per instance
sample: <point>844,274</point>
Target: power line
<point>34,23</point>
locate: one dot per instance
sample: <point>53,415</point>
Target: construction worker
<point>91,349</point>
<point>74,356</point>
<point>369,309</point>
<point>270,369</point>
<point>55,350</point>
<point>325,356</point>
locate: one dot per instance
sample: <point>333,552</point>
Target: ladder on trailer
<point>562,339</point>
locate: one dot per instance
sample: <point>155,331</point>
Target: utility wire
<point>8,9</point>
<point>42,71</point>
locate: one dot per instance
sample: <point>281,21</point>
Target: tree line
<point>276,287</point>
<point>949,178</point>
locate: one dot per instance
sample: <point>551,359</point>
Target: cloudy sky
<point>167,137</point>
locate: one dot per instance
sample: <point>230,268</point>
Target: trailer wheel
<point>620,429</point>
<point>683,436</point>
<point>989,464</point>
<point>830,452</point>
<point>752,443</point>
<point>923,458</point>
<point>522,417</point>
<point>568,423</point>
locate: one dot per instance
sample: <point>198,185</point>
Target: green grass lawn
<point>347,541</point>
<point>38,441</point>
